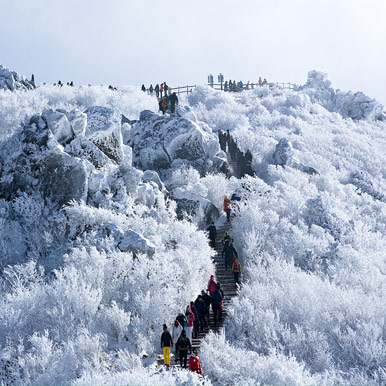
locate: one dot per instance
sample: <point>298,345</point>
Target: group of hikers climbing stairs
<point>222,276</point>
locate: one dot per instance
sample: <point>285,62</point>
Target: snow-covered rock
<point>151,175</point>
<point>78,121</point>
<point>59,125</point>
<point>104,130</point>
<point>11,80</point>
<point>348,104</point>
<point>64,179</point>
<point>283,153</point>
<point>133,242</point>
<point>158,140</point>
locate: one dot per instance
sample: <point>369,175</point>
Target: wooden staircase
<point>222,276</point>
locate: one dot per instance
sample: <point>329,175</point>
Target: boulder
<point>11,80</point>
<point>104,130</point>
<point>78,121</point>
<point>64,178</point>
<point>133,242</point>
<point>151,175</point>
<point>283,152</point>
<point>159,140</point>
<point>83,148</point>
<point>59,125</point>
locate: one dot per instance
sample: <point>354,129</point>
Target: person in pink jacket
<point>211,285</point>
<point>189,328</point>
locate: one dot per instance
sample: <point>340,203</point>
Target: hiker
<point>227,253</point>
<point>201,310</point>
<point>228,138</point>
<point>223,141</point>
<point>227,207</point>
<point>221,292</point>
<point>176,333</point>
<point>225,238</point>
<point>161,89</point>
<point>196,322</point>
<point>182,320</point>
<point>183,344</point>
<point>211,285</point>
<point>166,342</point>
<point>156,89</point>
<point>60,84</point>
<point>260,81</point>
<point>216,305</point>
<point>248,157</point>
<point>234,86</point>
<point>166,88</point>
<point>191,318</point>
<point>143,88</point>
<point>194,363</point>
<point>173,99</point>
<point>151,90</point>
<point>232,147</point>
<point>226,86</point>
<point>163,105</point>
<point>207,299</point>
<point>212,234</point>
<point>225,170</point>
<point>236,269</point>
<point>264,82</point>
<point>235,197</point>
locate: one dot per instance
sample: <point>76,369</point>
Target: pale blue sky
<point>124,42</point>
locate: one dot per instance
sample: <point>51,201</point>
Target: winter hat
<point>183,333</point>
<point>165,327</point>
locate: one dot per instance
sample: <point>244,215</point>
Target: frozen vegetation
<point>102,242</point>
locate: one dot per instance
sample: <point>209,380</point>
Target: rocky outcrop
<point>157,141</point>
<point>11,80</point>
<point>64,178</point>
<point>133,242</point>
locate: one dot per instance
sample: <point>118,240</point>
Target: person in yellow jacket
<point>236,269</point>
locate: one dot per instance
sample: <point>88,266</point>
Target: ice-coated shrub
<point>245,367</point>
<point>17,106</point>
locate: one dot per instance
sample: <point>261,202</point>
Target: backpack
<point>236,266</point>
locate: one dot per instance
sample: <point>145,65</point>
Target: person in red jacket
<point>194,363</point>
<point>227,207</point>
<point>211,285</point>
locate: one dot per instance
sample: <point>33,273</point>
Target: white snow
<point>94,260</point>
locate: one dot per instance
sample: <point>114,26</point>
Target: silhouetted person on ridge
<point>156,89</point>
<point>173,99</point>
<point>143,88</point>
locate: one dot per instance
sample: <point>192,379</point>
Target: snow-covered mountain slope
<point>100,244</point>
<point>312,244</point>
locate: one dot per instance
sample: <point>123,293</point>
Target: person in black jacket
<point>156,89</point>
<point>143,88</point>
<point>208,301</point>
<point>173,99</point>
<point>196,323</point>
<point>212,234</point>
<point>183,344</point>
<point>216,305</point>
<point>166,342</point>
<point>227,253</point>
<point>182,320</point>
<point>201,310</point>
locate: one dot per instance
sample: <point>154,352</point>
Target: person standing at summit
<point>166,88</point>
<point>161,89</point>
<point>156,89</point>
<point>173,99</point>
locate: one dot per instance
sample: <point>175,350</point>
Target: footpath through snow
<point>222,276</point>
